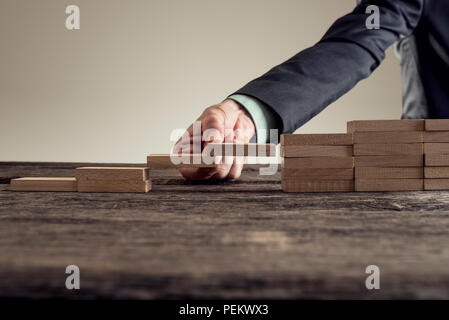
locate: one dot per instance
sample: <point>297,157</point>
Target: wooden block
<point>112,173</point>
<point>43,184</point>
<point>437,125</point>
<point>241,149</point>
<point>436,184</point>
<point>385,125</point>
<point>188,161</point>
<point>334,139</point>
<point>388,137</point>
<point>316,151</point>
<point>289,185</point>
<point>436,136</point>
<point>387,149</point>
<point>389,161</point>
<point>436,172</point>
<point>134,186</point>
<point>389,173</point>
<point>436,148</point>
<point>318,162</point>
<point>436,160</point>
<point>365,185</point>
<point>318,174</point>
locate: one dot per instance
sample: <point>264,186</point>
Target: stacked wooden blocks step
<point>317,163</point>
<point>113,179</point>
<point>436,154</point>
<point>388,154</point>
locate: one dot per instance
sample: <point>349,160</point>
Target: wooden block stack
<point>436,154</point>
<point>317,163</point>
<point>388,155</point>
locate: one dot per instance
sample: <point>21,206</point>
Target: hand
<point>232,124</point>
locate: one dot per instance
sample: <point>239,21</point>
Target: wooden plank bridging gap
<point>164,161</point>
<point>241,149</point>
<point>385,125</point>
<point>44,184</point>
<point>324,139</point>
<point>316,151</point>
<point>115,186</point>
<point>112,173</point>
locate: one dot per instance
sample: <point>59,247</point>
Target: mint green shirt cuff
<point>262,116</point>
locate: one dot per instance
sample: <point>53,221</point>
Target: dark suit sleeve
<point>304,85</point>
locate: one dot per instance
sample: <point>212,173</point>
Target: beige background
<point>114,90</point>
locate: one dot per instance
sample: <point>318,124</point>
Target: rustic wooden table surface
<point>243,239</point>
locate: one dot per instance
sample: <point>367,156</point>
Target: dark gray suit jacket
<point>304,85</point>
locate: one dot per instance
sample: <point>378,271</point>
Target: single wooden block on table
<point>316,151</point>
<point>389,161</point>
<point>44,184</point>
<point>185,161</point>
<point>241,149</point>
<point>388,137</point>
<point>331,139</point>
<point>436,184</point>
<point>116,186</point>
<point>436,160</point>
<point>376,173</point>
<point>436,148</point>
<point>436,136</point>
<point>318,174</point>
<point>317,185</point>
<point>385,125</point>
<point>379,185</point>
<point>436,172</point>
<point>112,173</point>
<point>319,162</point>
<point>387,149</point>
<point>437,124</point>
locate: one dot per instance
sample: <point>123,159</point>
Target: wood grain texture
<point>386,149</point>
<point>241,149</point>
<point>436,160</point>
<point>318,174</point>
<point>377,173</point>
<point>112,173</point>
<point>164,161</point>
<point>437,148</point>
<point>318,162</point>
<point>436,172</point>
<point>380,185</point>
<point>335,139</point>
<point>44,184</point>
<point>248,240</point>
<point>389,161</point>
<point>131,186</point>
<point>316,151</point>
<point>436,136</point>
<point>388,137</point>
<point>437,124</point>
<point>295,185</point>
<point>385,125</point>
<point>436,184</point>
